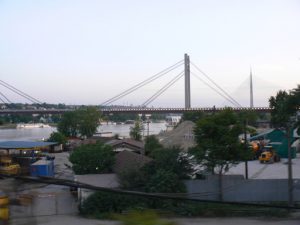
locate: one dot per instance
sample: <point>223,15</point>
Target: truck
<point>268,155</point>
<point>7,167</point>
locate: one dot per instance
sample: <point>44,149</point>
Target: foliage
<point>249,116</point>
<point>100,203</point>
<point>192,116</point>
<point>68,125</point>
<point>89,118</point>
<point>81,122</point>
<point>57,137</point>
<point>163,174</point>
<point>284,107</point>
<point>92,159</point>
<point>143,218</point>
<point>172,159</point>
<point>106,205</point>
<point>164,181</point>
<point>151,144</point>
<point>122,117</point>
<point>136,131</point>
<point>133,179</point>
<point>218,145</point>
<point>119,117</point>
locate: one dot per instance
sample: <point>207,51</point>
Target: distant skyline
<point>84,52</point>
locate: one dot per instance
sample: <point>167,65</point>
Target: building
<point>127,144</point>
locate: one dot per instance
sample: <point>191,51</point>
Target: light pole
<point>290,170</point>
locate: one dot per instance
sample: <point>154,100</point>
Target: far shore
<point>8,126</point>
<point>14,125</point>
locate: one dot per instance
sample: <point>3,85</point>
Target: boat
<point>31,125</point>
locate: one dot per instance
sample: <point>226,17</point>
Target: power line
<point>19,92</point>
<point>218,86</point>
<point>70,183</point>
<point>143,83</point>
<point>163,89</point>
<point>228,99</point>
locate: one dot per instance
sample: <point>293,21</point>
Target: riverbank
<point>8,126</point>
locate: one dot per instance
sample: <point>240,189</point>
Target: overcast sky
<point>84,52</point>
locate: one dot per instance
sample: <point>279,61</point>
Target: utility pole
<point>251,90</point>
<point>290,171</point>
<point>246,148</point>
<point>187,85</point>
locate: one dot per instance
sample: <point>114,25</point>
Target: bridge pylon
<point>187,83</point>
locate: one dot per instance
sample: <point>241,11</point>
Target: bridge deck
<point>138,110</point>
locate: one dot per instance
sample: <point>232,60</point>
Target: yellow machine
<point>4,212</point>
<point>7,167</point>
<point>269,155</point>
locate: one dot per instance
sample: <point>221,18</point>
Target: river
<point>37,134</point>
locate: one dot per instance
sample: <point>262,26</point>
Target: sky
<point>85,52</point>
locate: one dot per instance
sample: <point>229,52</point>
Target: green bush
<point>92,159</point>
<point>100,204</point>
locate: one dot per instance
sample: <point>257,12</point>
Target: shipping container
<point>42,168</point>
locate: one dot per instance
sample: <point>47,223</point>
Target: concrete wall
<point>46,204</point>
<point>236,188</point>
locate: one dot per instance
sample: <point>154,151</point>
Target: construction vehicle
<point>4,211</point>
<point>257,148</point>
<point>268,155</point>
<point>7,167</point>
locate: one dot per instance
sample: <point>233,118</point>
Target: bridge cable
<point>163,89</point>
<point>143,83</point>
<point>19,92</point>
<point>2,100</point>
<point>218,86</point>
<point>5,98</point>
<point>214,89</point>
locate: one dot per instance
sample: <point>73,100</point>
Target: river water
<point>38,134</point>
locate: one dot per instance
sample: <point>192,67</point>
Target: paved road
<point>75,220</point>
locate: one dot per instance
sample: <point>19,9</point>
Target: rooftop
<point>24,144</point>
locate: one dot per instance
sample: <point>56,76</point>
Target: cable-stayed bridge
<point>108,106</point>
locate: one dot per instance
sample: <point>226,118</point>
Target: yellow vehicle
<point>4,212</point>
<point>7,167</point>
<point>269,155</point>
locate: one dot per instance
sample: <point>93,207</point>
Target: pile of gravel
<point>181,136</point>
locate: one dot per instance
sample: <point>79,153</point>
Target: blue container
<point>42,168</point>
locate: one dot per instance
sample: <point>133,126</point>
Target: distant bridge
<point>136,110</point>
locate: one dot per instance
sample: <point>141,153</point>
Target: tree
<point>93,158</point>
<point>82,122</point>
<point>163,174</point>
<point>89,118</point>
<point>284,106</point>
<point>282,109</point>
<point>151,144</point>
<point>58,137</point>
<point>192,116</point>
<point>165,181</point>
<point>136,131</point>
<point>173,160</point>
<point>68,124</point>
<point>218,145</point>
